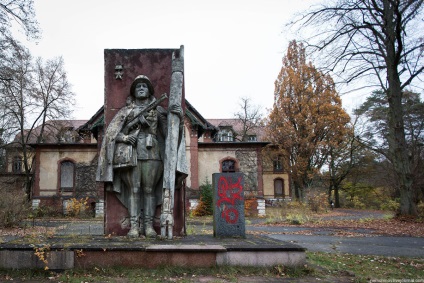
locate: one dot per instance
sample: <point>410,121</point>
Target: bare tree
<point>15,102</point>
<point>381,40</point>
<point>249,116</point>
<point>19,11</point>
<point>33,93</point>
<point>22,12</point>
<point>53,92</point>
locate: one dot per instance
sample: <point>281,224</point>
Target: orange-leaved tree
<point>307,119</point>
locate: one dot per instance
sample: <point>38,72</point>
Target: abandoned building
<point>64,161</point>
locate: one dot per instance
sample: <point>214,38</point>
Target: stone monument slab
<point>127,72</point>
<point>228,205</point>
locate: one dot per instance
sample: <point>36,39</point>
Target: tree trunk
<point>297,193</point>
<point>400,157</point>
<point>27,170</point>
<point>330,190</point>
<point>397,145</point>
<point>336,197</point>
<point>399,154</point>
<point>297,189</point>
<point>398,149</point>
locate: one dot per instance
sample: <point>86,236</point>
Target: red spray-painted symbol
<point>228,193</point>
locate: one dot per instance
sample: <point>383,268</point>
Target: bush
<point>357,203</point>
<point>390,205</point>
<point>51,208</point>
<point>201,209</point>
<point>14,208</point>
<point>297,219</point>
<point>293,212</point>
<point>47,211</point>
<point>77,207</point>
<point>363,196</point>
<point>205,205</point>
<point>318,201</point>
<point>251,206</point>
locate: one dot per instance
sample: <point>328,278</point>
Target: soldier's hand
<point>176,109</point>
<point>151,116</point>
<point>130,139</point>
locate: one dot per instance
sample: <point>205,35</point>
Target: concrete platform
<point>85,251</point>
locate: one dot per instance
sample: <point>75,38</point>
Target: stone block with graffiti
<point>228,205</point>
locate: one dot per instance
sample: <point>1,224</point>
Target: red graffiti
<point>230,215</point>
<point>228,193</point>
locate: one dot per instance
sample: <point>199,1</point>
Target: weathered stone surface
<point>85,179</point>
<point>261,258</point>
<point>195,251</point>
<point>249,166</point>
<point>26,259</point>
<point>228,205</point>
<point>121,67</point>
<point>154,63</point>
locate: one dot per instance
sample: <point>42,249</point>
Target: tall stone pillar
<point>228,205</point>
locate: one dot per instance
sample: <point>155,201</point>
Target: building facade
<point>65,161</point>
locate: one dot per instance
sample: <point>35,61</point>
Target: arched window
<point>17,164</point>
<point>67,180</point>
<point>228,166</point>
<point>279,188</point>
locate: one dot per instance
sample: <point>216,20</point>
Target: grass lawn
<point>320,267</point>
<point>366,268</point>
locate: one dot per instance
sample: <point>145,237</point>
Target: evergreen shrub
<point>205,205</point>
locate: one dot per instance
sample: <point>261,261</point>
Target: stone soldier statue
<point>132,152</point>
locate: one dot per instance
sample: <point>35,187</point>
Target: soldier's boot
<point>135,227</point>
<point>148,217</point>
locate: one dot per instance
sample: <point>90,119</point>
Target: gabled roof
<point>97,120</point>
<point>197,119</point>
<point>237,127</point>
<point>53,130</point>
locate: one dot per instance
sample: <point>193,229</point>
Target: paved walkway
<point>320,240</point>
<point>380,245</point>
<point>324,240</point>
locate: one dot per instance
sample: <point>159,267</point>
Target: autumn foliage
<point>307,118</point>
<point>205,205</point>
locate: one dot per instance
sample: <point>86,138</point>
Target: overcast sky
<point>233,48</point>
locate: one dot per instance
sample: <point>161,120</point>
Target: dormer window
<point>252,138</point>
<point>225,135</point>
<point>67,135</point>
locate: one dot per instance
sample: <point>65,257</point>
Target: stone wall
<point>85,180</point>
<point>249,167</point>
